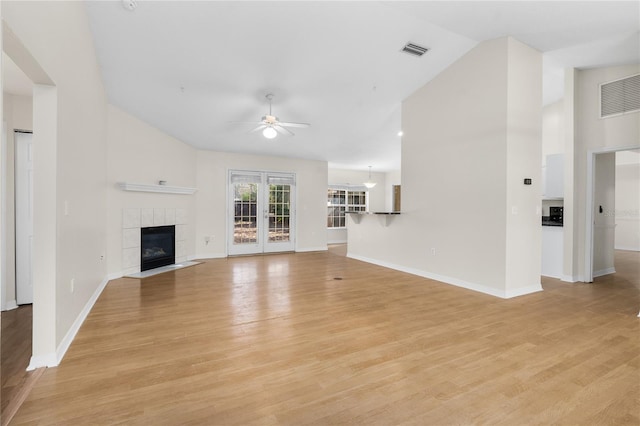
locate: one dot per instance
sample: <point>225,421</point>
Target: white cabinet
<point>553,176</point>
<point>552,251</point>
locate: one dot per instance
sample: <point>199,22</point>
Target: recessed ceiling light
<point>129,4</point>
<point>400,133</point>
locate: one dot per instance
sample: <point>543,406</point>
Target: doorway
<point>261,214</point>
<point>601,212</point>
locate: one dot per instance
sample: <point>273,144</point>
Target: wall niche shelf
<point>126,186</point>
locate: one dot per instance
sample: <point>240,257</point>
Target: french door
<point>261,213</point>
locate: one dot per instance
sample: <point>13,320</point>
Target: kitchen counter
<point>548,222</point>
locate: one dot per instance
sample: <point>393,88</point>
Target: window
<point>340,201</point>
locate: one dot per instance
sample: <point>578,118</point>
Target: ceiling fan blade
<point>245,122</point>
<point>260,127</point>
<point>283,130</point>
<point>290,124</point>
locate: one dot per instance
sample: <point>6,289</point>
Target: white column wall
<point>524,152</point>
<point>453,225</point>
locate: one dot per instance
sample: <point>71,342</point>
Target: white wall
<point>591,133</point>
<point>553,132</point>
<point>460,130</point>
<point>211,200</point>
<point>70,168</point>
<point>18,114</point>
<point>524,150</point>
<point>604,221</point>
<point>627,210</point>
<point>140,153</point>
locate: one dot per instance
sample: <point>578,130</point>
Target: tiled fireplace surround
<point>135,219</point>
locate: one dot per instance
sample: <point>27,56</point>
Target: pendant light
<point>369,183</point>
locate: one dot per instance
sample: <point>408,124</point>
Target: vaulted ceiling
<point>190,68</point>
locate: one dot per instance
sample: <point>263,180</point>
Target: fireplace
<point>158,246</point>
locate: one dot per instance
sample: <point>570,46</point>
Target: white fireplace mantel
<point>126,186</point>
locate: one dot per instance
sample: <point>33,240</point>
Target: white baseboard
<point>523,291</point>
<point>115,276</point>
<point>627,248</point>
<point>570,278</point>
<point>307,249</point>
<point>47,360</point>
<point>450,280</point>
<point>602,272</point>
<point>337,242</point>
<point>71,334</point>
<point>10,305</point>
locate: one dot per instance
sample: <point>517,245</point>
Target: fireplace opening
<point>158,247</point>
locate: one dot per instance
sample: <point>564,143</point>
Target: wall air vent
<point>414,49</point>
<point>620,96</point>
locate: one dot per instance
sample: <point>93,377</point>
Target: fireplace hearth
<point>158,246</point>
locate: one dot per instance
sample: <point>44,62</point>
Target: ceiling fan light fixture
<point>269,133</point>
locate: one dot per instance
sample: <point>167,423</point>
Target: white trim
<point>337,242</point>
<point>627,248</point>
<point>48,360</point>
<point>125,186</point>
<point>10,305</point>
<point>115,276</point>
<point>570,278</point>
<point>450,280</point>
<point>308,249</point>
<point>3,219</point>
<point>602,272</point>
<point>522,291</point>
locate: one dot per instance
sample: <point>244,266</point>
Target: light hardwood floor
<point>278,339</point>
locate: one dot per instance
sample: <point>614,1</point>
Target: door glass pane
<point>279,217</point>
<point>245,217</point>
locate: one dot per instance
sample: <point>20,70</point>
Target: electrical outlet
<point>433,251</point>
<point>206,240</point>
<point>72,285</point>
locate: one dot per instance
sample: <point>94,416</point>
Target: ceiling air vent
<point>414,49</point>
<point>620,96</point>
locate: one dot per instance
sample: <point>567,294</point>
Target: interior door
<point>24,217</point>
<point>261,212</point>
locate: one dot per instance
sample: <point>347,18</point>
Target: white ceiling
<point>189,68</point>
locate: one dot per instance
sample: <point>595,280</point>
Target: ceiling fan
<point>271,125</point>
